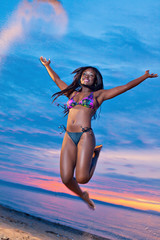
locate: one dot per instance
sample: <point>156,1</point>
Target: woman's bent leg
<point>86,157</point>
<point>67,166</point>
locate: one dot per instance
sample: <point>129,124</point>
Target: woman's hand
<point>152,75</point>
<point>62,85</point>
<point>44,61</point>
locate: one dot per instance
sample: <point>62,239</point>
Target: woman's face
<point>88,77</point>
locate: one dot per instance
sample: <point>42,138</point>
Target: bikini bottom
<point>76,136</point>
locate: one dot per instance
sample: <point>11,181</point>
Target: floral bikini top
<point>85,102</point>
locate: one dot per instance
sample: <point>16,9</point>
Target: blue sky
<point>121,39</point>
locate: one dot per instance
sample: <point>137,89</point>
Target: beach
<point>15,225</point>
<point>50,215</point>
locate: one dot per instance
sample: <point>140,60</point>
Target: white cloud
<point>142,163</point>
<point>14,30</point>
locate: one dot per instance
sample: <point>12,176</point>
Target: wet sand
<point>16,225</point>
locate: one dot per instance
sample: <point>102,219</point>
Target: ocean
<point>110,221</point>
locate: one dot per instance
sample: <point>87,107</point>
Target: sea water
<point>106,221</point>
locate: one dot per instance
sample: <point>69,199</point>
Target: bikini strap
<point>86,129</point>
<point>63,128</point>
<point>91,93</point>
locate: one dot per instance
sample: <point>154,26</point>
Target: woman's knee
<point>83,178</point>
<point>66,179</point>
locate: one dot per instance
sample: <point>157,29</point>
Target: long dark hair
<point>76,84</point>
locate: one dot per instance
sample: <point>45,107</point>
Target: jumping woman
<point>85,95</point>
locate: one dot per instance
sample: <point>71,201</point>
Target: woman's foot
<point>97,150</point>
<point>95,156</point>
<point>86,198</point>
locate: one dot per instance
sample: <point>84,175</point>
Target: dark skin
<point>80,158</point>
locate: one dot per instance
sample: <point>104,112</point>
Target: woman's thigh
<point>85,151</point>
<point>67,158</point>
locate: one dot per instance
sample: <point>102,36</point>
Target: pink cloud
<point>14,30</point>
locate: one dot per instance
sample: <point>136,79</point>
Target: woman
<point>86,94</point>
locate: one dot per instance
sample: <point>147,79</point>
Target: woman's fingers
<point>152,75</point>
<point>44,61</point>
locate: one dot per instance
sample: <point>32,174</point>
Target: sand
<point>16,225</point>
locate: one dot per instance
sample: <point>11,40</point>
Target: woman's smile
<point>88,76</point>
<point>86,80</point>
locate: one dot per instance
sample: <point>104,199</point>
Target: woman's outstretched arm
<point>62,85</point>
<point>111,93</point>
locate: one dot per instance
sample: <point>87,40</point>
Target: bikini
<point>85,102</point>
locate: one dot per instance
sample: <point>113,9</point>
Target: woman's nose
<point>87,76</point>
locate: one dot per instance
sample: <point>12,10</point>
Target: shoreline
<point>20,225</point>
<point>62,194</point>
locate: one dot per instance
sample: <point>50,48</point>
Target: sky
<point>120,38</point>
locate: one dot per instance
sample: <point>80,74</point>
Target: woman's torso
<point>80,114</point>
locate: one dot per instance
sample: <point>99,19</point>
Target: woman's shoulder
<point>98,93</point>
<point>99,96</point>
